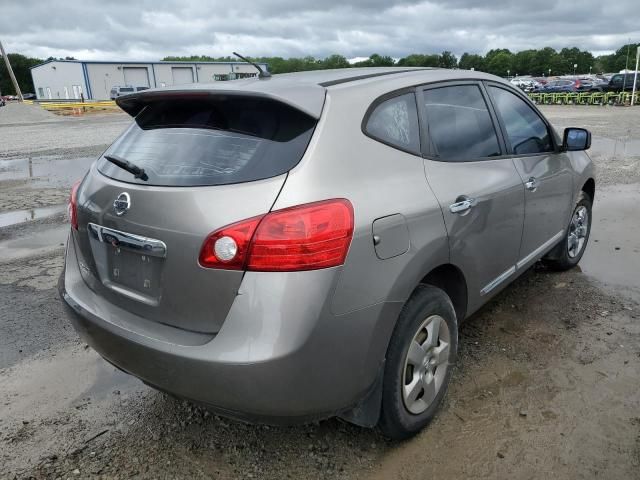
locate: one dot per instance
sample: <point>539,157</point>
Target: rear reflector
<point>72,207</point>
<point>306,237</point>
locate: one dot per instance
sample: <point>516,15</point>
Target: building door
<point>76,93</point>
<point>49,93</point>
<point>136,76</point>
<point>182,75</point>
<point>66,93</point>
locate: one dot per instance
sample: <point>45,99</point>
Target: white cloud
<point>152,29</point>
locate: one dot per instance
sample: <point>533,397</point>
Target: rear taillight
<point>72,208</point>
<point>306,237</point>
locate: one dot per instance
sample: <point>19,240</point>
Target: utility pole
<point>635,76</point>
<point>10,70</point>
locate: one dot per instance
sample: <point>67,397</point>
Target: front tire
<point>569,251</point>
<point>419,363</point>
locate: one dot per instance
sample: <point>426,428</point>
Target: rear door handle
<point>532,184</point>
<point>463,204</point>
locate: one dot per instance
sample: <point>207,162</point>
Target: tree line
<point>502,62</point>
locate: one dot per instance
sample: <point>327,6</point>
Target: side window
<point>460,127</point>
<point>395,121</point>
<point>526,131</point>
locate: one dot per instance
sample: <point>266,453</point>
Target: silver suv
<point>290,249</point>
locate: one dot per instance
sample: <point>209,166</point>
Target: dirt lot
<point>547,384</point>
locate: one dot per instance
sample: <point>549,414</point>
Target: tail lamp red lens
<point>72,207</point>
<point>306,237</point>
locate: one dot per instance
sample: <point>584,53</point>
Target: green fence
<point>584,98</point>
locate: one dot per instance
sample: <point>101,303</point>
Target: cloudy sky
<point>150,30</point>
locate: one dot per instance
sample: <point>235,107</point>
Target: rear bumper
<point>281,357</point>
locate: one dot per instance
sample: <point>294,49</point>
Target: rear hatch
<point>210,161</point>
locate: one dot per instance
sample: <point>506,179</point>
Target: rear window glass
<point>395,121</point>
<point>212,141</point>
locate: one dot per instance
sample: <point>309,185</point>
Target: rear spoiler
<point>308,99</point>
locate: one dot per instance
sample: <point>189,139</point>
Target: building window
<point>40,92</point>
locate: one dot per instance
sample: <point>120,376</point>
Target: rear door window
<point>526,132</point>
<point>459,123</point>
<point>212,141</point>
<point>395,122</point>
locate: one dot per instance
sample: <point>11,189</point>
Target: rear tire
<point>419,362</point>
<point>569,251</point>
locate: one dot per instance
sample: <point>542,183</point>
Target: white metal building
<point>68,79</point>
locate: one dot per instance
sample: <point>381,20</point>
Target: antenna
<point>261,73</point>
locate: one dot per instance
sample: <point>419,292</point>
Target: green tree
<point>615,62</point>
<point>523,63</point>
<point>335,61</point>
<point>543,60</point>
<point>447,60</point>
<point>419,60</point>
<point>499,62</point>
<point>469,61</point>
<point>22,69</point>
<point>376,60</point>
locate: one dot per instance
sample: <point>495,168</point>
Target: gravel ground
<point>546,386</point>
<point>616,138</point>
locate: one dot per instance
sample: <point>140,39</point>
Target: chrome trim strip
<point>498,280</point>
<point>128,241</point>
<point>540,250</point>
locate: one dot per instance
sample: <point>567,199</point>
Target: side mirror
<point>576,139</point>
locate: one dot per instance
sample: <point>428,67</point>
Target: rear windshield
<point>212,141</point>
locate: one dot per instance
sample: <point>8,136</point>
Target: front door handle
<point>532,184</point>
<point>463,204</point>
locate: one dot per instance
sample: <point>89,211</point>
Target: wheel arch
<point>451,280</point>
<point>589,188</point>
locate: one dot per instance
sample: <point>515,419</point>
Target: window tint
<point>219,141</point>
<point>460,126</point>
<point>395,121</point>
<point>526,131</point>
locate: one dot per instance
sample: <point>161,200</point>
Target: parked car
<point>118,91</point>
<point>28,96</point>
<point>526,84</point>
<point>622,82</point>
<point>565,85</point>
<point>2,102</point>
<point>302,247</point>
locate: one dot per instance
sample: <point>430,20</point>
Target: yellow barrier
<point>73,105</point>
<point>584,98</point>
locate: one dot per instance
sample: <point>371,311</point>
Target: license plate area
<point>135,271</point>
<point>127,263</point>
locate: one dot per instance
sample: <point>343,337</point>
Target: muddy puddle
<point>46,171</point>
<point>613,254</point>
<point>35,243</point>
<point>20,216</point>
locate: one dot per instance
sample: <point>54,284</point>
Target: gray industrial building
<point>68,79</point>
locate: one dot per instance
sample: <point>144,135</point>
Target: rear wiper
<point>128,166</point>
